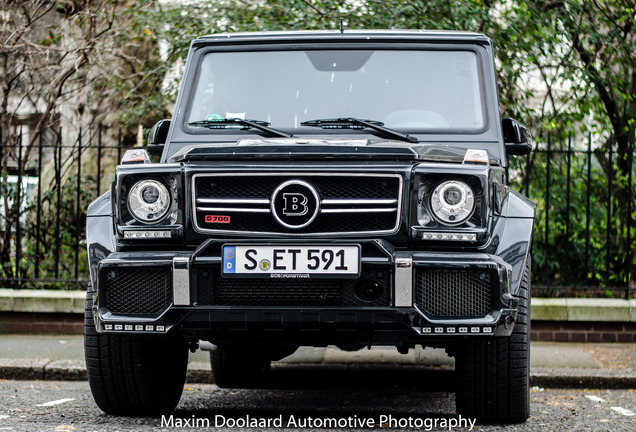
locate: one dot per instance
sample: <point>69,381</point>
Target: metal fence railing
<point>582,241</point>
<point>44,193</point>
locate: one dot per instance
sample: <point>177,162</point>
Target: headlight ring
<point>452,202</point>
<point>148,201</point>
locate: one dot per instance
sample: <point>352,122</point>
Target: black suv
<point>313,189</point>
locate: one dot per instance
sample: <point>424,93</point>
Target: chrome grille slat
<point>363,210</point>
<point>358,202</point>
<point>232,201</point>
<point>234,210</point>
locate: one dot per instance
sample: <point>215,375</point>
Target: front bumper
<point>400,297</point>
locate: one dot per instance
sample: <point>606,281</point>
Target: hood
<point>320,149</point>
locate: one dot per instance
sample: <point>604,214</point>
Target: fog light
<point>368,290</point>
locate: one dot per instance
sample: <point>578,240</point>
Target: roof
<point>435,36</point>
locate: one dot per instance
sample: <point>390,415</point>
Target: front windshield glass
<point>405,90</point>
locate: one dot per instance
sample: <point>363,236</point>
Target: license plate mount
<point>287,261</point>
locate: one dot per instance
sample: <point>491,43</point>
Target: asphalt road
<point>68,406</point>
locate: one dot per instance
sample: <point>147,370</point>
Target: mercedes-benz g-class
<point>314,189</point>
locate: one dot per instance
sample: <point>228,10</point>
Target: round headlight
<point>452,202</point>
<point>148,201</point>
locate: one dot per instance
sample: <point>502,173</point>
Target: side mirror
<point>157,137</point>
<point>517,138</point>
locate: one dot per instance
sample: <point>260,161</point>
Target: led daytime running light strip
<point>136,327</point>
<point>147,234</point>
<point>449,236</point>
<point>456,330</point>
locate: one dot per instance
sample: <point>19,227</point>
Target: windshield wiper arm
<point>355,123</point>
<point>253,124</point>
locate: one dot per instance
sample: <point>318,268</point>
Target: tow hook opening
<point>509,322</point>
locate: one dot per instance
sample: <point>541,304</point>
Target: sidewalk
<point>565,365</point>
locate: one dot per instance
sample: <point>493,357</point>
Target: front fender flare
<point>100,235</point>
<point>512,235</point>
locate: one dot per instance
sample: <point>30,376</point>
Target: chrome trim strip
<point>359,201</point>
<point>403,280</point>
<point>181,281</point>
<point>375,260</point>
<point>324,202</point>
<point>232,201</point>
<point>364,210</point>
<point>393,230</point>
<point>235,209</point>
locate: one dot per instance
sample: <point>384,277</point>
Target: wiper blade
<point>247,124</point>
<point>355,123</point>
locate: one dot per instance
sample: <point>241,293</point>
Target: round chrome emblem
<point>295,204</point>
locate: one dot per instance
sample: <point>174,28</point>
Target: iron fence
<point>43,201</point>
<point>585,215</point>
<point>582,241</point>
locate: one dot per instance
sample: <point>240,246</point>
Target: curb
<point>583,310</point>
<point>583,378</point>
<point>287,374</point>
<point>42,370</point>
<point>42,301</point>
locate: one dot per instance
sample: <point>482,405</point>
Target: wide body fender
<point>512,235</point>
<point>100,236</point>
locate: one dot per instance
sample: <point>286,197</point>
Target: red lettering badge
<point>217,219</point>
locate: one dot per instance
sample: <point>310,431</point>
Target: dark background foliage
<point>565,68</point>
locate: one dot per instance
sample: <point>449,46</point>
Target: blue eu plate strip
<point>229,259</point>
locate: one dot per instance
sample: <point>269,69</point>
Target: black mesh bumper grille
<point>456,293</point>
<point>214,290</point>
<point>136,291</point>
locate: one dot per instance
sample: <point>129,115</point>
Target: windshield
<point>404,90</point>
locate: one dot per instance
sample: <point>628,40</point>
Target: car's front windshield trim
<point>296,128</point>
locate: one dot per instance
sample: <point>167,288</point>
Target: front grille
<point>136,291</point>
<point>214,290</point>
<point>456,293</point>
<point>348,203</point>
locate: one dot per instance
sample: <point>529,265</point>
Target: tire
<point>493,375</point>
<point>132,375</point>
<point>238,367</point>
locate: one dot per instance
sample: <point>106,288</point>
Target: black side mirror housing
<point>157,137</point>
<point>517,138</point>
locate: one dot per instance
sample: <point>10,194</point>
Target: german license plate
<point>291,260</point>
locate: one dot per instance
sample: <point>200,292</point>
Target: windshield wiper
<point>355,123</point>
<point>247,124</point>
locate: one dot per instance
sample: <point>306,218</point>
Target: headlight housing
<point>452,202</point>
<point>451,207</point>
<point>149,201</point>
